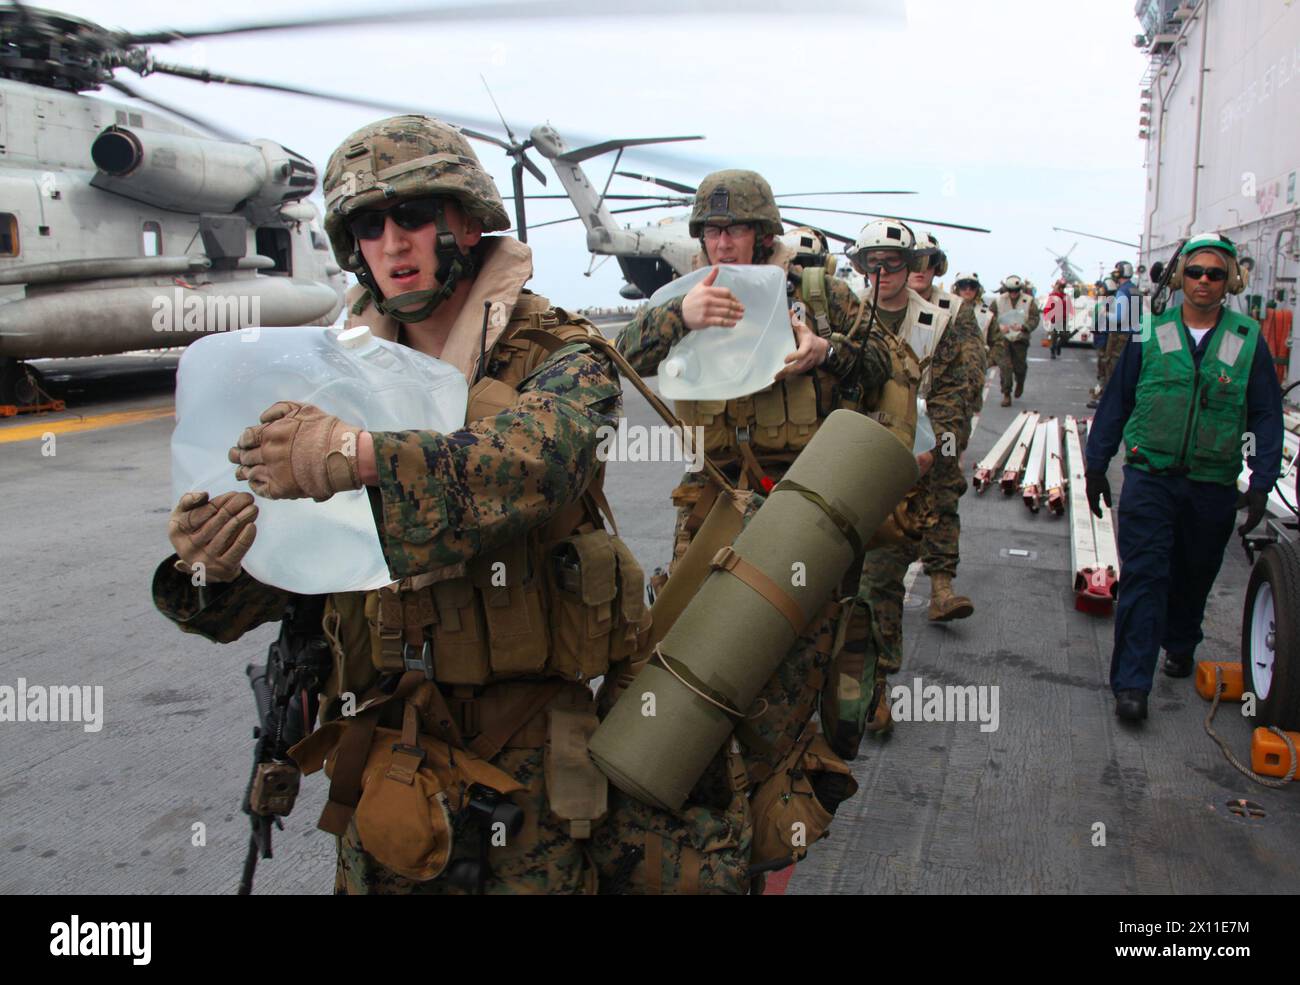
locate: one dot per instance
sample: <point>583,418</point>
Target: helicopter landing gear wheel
<point>1270,636</point>
<point>20,384</point>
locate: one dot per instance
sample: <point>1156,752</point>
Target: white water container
<point>224,383</point>
<point>924,439</point>
<point>719,363</point>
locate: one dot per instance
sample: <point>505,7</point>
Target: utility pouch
<point>512,609</point>
<point>900,527</point>
<point>410,787</point>
<point>576,790</point>
<point>769,418</point>
<point>489,397</point>
<point>460,642</point>
<point>707,414</point>
<point>584,587</point>
<point>788,813</point>
<point>345,627</point>
<point>801,411</point>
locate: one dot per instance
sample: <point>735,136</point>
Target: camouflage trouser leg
<point>881,586</point>
<point>939,546</point>
<point>542,858</point>
<point>1110,354</point>
<point>1000,355</point>
<point>1019,361</point>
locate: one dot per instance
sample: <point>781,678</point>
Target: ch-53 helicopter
<point>652,255</point>
<point>123,229</point>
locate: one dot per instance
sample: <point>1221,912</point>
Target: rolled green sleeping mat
<point>660,735</point>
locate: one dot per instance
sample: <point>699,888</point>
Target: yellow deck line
<point>40,428</point>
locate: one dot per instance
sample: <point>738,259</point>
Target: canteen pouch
<point>576,790</point>
<point>789,815</point>
<point>460,641</point>
<point>411,786</point>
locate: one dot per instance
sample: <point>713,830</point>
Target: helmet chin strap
<point>454,265</point>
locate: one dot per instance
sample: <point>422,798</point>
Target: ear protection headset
<point>1212,241</point>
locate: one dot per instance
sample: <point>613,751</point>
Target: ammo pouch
<point>567,609</point>
<point>400,787</point>
<point>793,807</point>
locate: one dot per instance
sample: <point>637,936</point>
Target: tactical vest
<point>1190,421</point>
<point>563,601</point>
<point>911,351</point>
<point>1006,307</point>
<point>776,423</point>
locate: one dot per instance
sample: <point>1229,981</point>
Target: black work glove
<point>1098,489</point>
<point>1255,503</point>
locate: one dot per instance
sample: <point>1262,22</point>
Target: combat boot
<point>881,722</point>
<point>944,605</point>
<point>1020,388</point>
<point>1006,400</point>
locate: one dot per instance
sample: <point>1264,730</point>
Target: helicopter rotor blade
<point>198,121</point>
<point>580,154</point>
<point>846,240</point>
<point>202,75</point>
<point>576,218</point>
<point>676,186</point>
<point>1105,239</point>
<point>516,10</point>
<point>666,199</point>
<point>517,179</point>
<point>812,194</point>
<point>881,215</point>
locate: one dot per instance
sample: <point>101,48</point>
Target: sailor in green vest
<point>1188,399</point>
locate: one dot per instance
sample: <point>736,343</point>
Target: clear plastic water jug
<point>725,363</point>
<point>224,383</point>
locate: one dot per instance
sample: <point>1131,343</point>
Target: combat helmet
<point>810,248</point>
<point>882,234</point>
<point>930,255</point>
<point>725,197</point>
<point>405,157</point>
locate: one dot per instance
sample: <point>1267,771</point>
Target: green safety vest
<point>1188,421</point>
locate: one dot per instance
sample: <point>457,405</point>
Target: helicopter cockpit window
<point>273,242</point>
<point>8,234</point>
<point>151,239</point>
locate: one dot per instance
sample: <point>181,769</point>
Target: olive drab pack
<point>579,605</point>
<point>815,294</point>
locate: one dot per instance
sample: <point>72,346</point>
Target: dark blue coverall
<point>1173,531</point>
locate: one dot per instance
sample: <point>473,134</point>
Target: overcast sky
<point>1018,115</point>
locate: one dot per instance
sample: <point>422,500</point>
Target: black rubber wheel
<point>1270,636</point>
<point>19,383</point>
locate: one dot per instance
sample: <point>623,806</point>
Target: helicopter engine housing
<point>193,174</point>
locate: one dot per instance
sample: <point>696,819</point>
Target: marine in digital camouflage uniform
<point>851,369</point>
<point>442,502</point>
<point>948,401</point>
<point>1011,356</point>
<point>940,544</point>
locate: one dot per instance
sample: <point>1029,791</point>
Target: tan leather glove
<point>216,533</point>
<point>298,450</point>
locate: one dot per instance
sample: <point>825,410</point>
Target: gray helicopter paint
<point>45,181</point>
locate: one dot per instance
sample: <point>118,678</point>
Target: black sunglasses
<point>410,215</point>
<point>1215,274</point>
